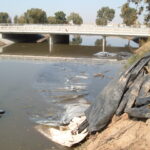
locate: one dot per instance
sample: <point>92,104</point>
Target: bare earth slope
<point>122,134</point>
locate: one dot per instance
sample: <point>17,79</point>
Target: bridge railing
<point>74,29</point>
<point>116,25</point>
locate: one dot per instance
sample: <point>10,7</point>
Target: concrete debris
<point>65,135</point>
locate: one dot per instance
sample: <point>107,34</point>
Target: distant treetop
<point>60,17</point>
<point>75,18</point>
<point>105,15</point>
<point>128,14</point>
<point>4,17</point>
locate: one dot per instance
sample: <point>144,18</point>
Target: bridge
<point>60,33</point>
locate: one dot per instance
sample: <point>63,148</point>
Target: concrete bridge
<point>60,33</point>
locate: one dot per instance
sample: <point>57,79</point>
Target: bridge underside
<point>53,39</point>
<point>21,37</point>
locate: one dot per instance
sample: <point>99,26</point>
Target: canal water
<point>84,46</point>
<point>35,89</point>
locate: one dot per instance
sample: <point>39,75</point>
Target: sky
<point>86,8</point>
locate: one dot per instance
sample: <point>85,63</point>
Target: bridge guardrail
<point>74,29</point>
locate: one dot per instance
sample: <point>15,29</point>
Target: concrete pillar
<point>1,49</point>
<point>56,39</point>
<point>1,36</point>
<point>50,43</point>
<point>129,43</point>
<point>104,44</point>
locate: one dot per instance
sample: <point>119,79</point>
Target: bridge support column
<point>57,39</point>
<point>50,43</point>
<point>129,43</point>
<point>104,44</point>
<point>1,36</point>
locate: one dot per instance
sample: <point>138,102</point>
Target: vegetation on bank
<point>139,53</point>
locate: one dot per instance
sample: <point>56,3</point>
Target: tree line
<point>39,16</point>
<point>105,15</point>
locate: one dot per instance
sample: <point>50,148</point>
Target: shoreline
<point>59,59</point>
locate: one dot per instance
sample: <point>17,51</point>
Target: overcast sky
<point>86,8</point>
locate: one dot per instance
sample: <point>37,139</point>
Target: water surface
<point>32,90</point>
<point>26,90</point>
<point>87,48</point>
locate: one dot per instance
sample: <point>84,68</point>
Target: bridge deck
<point>75,29</point>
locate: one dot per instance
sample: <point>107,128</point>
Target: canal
<point>31,90</point>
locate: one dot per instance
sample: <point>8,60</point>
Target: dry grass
<point>139,53</point>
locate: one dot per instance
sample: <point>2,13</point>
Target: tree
<point>51,20</point>
<point>75,18</point>
<point>4,17</point>
<point>35,16</point>
<point>99,42</point>
<point>60,17</point>
<point>76,40</point>
<point>143,9</point>
<point>105,15</point>
<point>21,20</point>
<point>16,19</point>
<point>128,14</point>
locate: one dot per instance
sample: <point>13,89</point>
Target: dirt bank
<point>123,133</point>
<point>144,48</point>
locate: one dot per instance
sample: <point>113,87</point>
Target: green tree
<point>16,19</point>
<point>21,20</point>
<point>4,17</point>
<point>76,40</point>
<point>128,14</point>
<point>51,20</point>
<point>98,42</point>
<point>105,15</point>
<point>35,16</point>
<point>75,18</point>
<point>143,9</point>
<point>60,17</point>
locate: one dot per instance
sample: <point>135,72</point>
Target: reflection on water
<point>58,50</point>
<point>76,40</point>
<point>111,41</point>
<point>80,46</point>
